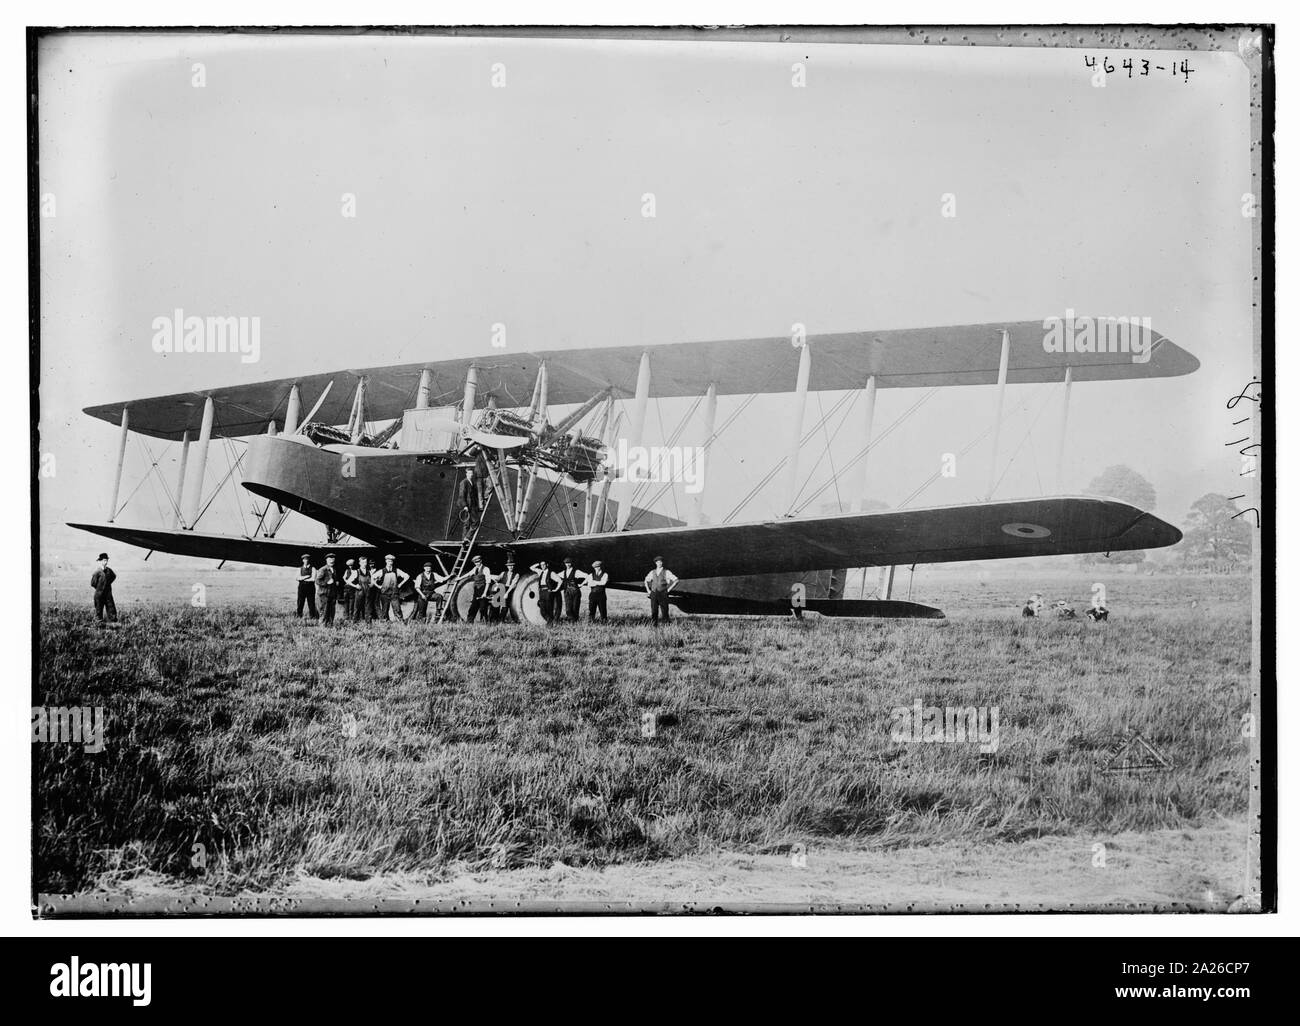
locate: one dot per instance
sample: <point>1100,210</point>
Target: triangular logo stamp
<point>1133,754</point>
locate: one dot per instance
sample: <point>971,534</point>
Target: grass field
<point>293,752</point>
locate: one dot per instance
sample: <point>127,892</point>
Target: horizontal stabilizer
<point>726,605</point>
<point>880,608</point>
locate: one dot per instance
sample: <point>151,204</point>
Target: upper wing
<point>944,534</point>
<point>900,358</point>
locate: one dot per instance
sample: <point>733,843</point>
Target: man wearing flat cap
<point>363,605</point>
<point>659,583</point>
<point>481,580</point>
<point>506,584</point>
<point>548,585</point>
<point>596,582</point>
<point>347,589</point>
<point>327,590</point>
<point>306,587</point>
<point>426,591</point>
<point>390,581</point>
<point>571,579</point>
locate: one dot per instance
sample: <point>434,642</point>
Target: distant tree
<point>1126,484</point>
<point>1216,538</point>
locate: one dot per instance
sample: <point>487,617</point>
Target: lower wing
<point>944,534</point>
<point>237,549</point>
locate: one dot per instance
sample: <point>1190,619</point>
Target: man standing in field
<point>481,580</point>
<point>306,587</point>
<point>659,584</point>
<point>102,581</point>
<point>348,589</point>
<point>547,585</point>
<point>361,590</point>
<point>597,580</point>
<point>327,590</point>
<point>507,583</point>
<point>426,588</point>
<point>571,589</point>
<point>390,581</point>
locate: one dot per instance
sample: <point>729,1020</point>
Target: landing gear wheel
<point>498,600</point>
<point>461,599</point>
<point>524,601</point>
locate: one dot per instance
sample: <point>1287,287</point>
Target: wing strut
<point>997,417</point>
<point>292,410</point>
<point>638,428</point>
<point>710,417</point>
<point>201,465</point>
<point>602,432</point>
<point>1065,423</point>
<point>177,523</point>
<point>796,429</point>
<point>121,459</point>
<point>868,422</point>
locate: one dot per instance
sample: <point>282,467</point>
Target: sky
<point>522,204</point>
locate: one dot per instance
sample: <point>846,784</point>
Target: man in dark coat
<point>102,581</point>
<point>327,589</point>
<point>468,505</point>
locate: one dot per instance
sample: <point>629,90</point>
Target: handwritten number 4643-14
<point>1142,66</point>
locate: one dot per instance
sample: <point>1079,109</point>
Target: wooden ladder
<point>462,557</point>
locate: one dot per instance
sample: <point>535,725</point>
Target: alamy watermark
<point>932,724</point>
<point>181,334</point>
<point>1071,334</point>
<point>74,978</point>
<point>656,463</point>
<point>76,725</point>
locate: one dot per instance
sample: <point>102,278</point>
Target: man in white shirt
<point>349,591</point>
<point>596,581</point>
<point>362,591</point>
<point>306,587</point>
<point>481,579</point>
<point>548,584</point>
<point>508,581</point>
<point>571,580</point>
<point>426,591</point>
<point>659,584</point>
<point>390,581</point>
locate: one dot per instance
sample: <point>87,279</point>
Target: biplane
<point>383,456</point>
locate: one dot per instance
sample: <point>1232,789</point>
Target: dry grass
<point>510,748</point>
